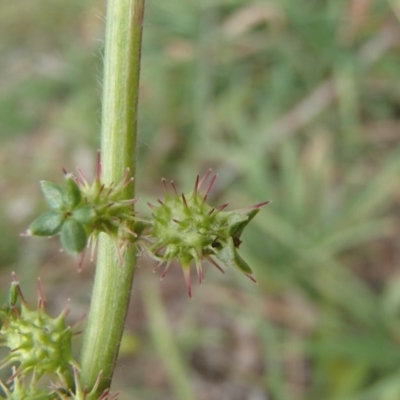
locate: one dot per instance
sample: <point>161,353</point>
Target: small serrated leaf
<point>71,193</point>
<point>73,236</point>
<point>47,224</point>
<point>53,194</point>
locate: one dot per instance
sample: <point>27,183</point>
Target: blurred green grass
<point>297,102</point>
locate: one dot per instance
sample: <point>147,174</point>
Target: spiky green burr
<point>187,228</point>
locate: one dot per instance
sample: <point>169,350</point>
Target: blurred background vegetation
<point>293,101</point>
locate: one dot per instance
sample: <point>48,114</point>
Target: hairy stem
<point>113,282</point>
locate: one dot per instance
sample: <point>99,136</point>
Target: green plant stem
<point>113,282</point>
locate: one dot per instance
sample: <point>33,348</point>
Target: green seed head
<point>20,390</point>
<point>106,209</point>
<point>186,228</point>
<point>80,211</point>
<point>38,343</point>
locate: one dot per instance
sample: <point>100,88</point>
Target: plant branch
<point>113,282</point>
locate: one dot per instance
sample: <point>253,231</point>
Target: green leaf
<point>53,194</point>
<point>47,224</point>
<point>85,214</point>
<point>241,264</point>
<point>73,236</point>
<point>227,253</point>
<point>230,256</point>
<point>71,193</point>
<point>13,300</point>
<point>238,221</point>
<point>13,294</point>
